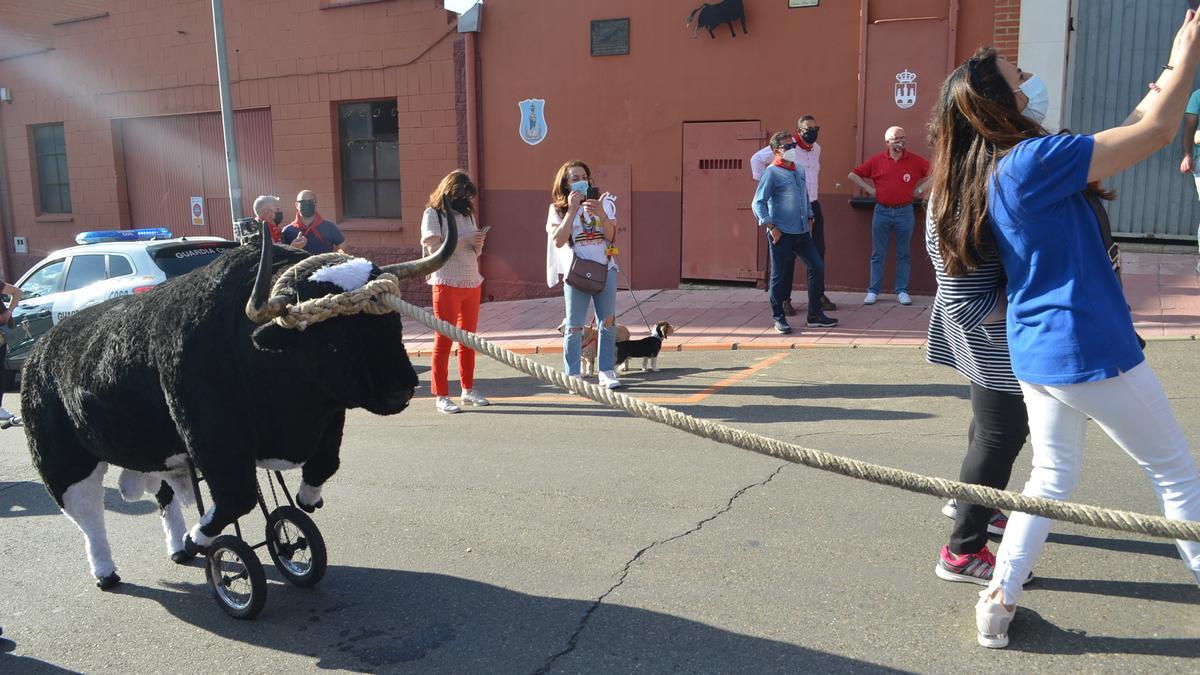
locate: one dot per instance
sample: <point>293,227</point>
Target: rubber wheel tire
<point>289,531</point>
<point>236,577</point>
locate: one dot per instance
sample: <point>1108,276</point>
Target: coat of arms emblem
<point>533,120</point>
<point>906,89</point>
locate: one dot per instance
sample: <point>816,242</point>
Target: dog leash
<point>635,300</point>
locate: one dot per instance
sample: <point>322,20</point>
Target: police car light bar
<point>140,234</point>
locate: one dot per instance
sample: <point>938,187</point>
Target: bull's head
<point>357,359</point>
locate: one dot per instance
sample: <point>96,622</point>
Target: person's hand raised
<point>299,241</point>
<point>574,200</point>
<point>1185,50</point>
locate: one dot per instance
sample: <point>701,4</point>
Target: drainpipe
<point>6,213</point>
<point>469,24</point>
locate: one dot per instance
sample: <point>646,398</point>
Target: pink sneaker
<point>973,568</point>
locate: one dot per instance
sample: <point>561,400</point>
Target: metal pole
<point>231,156</point>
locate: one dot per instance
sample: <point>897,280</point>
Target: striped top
<point>462,269</point>
<point>958,336</point>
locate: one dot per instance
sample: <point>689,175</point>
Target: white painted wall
<point>1042,50</point>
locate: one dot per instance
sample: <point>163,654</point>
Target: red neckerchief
<point>803,145</point>
<point>306,229</point>
<point>782,163</point>
<point>275,230</point>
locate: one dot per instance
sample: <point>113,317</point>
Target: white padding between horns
<point>349,276</point>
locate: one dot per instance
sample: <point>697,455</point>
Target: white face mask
<point>1039,98</point>
<point>789,155</point>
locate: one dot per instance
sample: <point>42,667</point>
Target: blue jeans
<point>783,265</point>
<point>605,303</point>
<point>885,220</point>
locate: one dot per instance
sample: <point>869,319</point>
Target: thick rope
<point>1122,521</point>
<point>364,299</point>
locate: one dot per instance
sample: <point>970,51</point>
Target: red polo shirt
<point>894,178</point>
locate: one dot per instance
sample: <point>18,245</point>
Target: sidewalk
<point>1163,291</point>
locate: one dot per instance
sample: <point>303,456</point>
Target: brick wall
<point>299,58</point>
<point>1007,28</point>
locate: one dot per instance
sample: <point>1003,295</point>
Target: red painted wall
<point>630,109</point>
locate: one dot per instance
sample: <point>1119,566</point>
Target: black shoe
<point>782,327</point>
<point>788,310</point>
<point>821,321</point>
<point>827,305</point>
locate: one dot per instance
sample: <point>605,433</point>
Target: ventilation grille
<point>720,165</point>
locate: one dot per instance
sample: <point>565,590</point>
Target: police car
<point>106,264</point>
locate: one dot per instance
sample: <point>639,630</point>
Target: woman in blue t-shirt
<point>1004,182</point>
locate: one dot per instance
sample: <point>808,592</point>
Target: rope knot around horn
<point>366,299</point>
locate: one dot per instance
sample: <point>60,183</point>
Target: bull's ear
<point>272,337</point>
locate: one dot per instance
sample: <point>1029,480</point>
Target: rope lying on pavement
<point>1122,521</point>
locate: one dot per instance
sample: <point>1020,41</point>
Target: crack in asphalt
<point>574,639</point>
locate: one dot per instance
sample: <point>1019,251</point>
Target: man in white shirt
<point>808,157</point>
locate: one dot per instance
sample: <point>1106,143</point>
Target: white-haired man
<point>268,215</point>
<point>893,177</point>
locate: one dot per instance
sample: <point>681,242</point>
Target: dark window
<point>44,281</point>
<point>369,135</point>
<point>50,149</point>
<point>118,266</point>
<point>85,270</point>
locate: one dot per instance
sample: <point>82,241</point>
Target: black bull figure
<point>195,369</point>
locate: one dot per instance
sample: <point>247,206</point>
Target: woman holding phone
<point>1005,184</point>
<point>583,222</point>
<point>456,286</point>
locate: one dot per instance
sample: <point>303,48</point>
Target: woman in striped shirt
<point>966,332</point>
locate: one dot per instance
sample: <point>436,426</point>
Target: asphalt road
<point>548,534</point>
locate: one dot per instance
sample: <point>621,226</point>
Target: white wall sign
<point>197,211</point>
<point>533,120</point>
<point>906,89</point>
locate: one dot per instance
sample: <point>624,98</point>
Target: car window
<point>183,257</point>
<point>44,281</point>
<point>118,266</point>
<point>85,270</point>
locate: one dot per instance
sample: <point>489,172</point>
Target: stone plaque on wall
<point>610,37</point>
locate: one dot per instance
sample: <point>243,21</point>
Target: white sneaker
<point>609,379</point>
<point>870,299</point>
<point>904,298</point>
<point>445,405</point>
<point>5,415</point>
<point>472,397</point>
<point>991,620</point>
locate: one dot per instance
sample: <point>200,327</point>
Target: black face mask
<point>461,205</point>
<point>809,136</point>
<point>278,217</point>
<point>307,208</point>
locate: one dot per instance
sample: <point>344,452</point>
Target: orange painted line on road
<point>661,400</point>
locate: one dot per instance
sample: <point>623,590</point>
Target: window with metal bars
<point>369,134</point>
<point>50,151</point>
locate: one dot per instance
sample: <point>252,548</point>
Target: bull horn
<point>258,309</point>
<point>432,262</point>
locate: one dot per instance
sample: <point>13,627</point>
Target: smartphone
<point>485,229</point>
<point>593,193</point>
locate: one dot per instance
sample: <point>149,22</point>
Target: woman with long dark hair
<point>456,286</point>
<point>1000,180</point>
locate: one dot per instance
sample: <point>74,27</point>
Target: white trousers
<point>1133,410</point>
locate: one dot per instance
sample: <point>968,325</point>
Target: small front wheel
<point>236,576</point>
<point>296,546</point>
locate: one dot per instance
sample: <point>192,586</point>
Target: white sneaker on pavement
<point>609,379</point>
<point>870,299</point>
<point>445,405</point>
<point>904,298</point>
<point>472,397</point>
<point>5,414</point>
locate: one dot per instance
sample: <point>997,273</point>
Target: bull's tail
<point>693,14</point>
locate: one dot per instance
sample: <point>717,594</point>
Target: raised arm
<point>1119,148</point>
